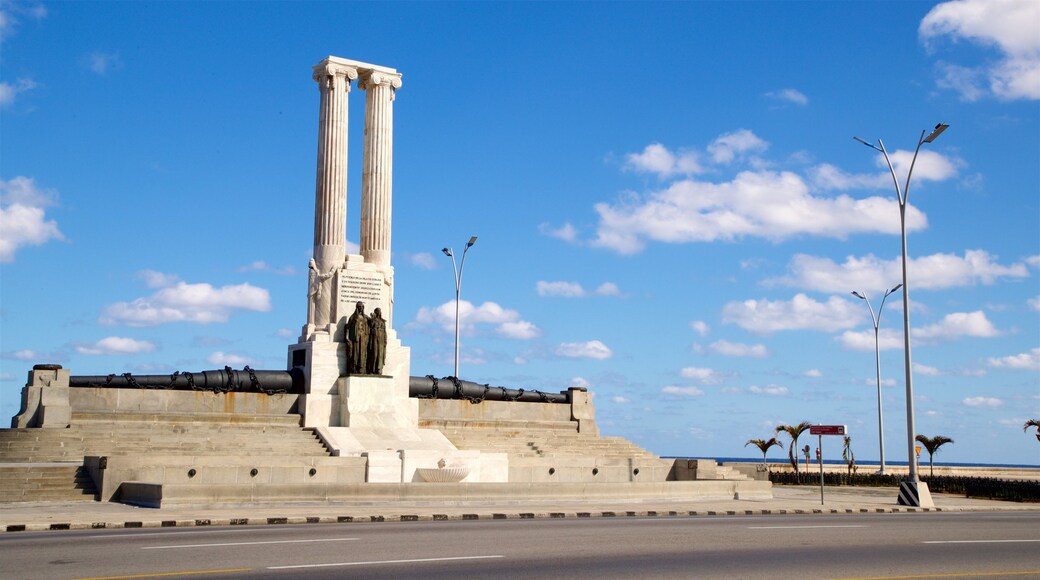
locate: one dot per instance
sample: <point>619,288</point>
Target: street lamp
<point>877,358</point>
<point>912,492</point>
<point>458,291</point>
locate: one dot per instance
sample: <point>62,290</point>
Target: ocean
<point>865,463</point>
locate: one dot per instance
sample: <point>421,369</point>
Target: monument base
<point>915,494</point>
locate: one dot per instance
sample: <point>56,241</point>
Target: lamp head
<point>936,132</point>
<point>867,143</point>
<point>447,251</point>
<point>858,295</point>
<point>471,241</point>
<point>897,287</point>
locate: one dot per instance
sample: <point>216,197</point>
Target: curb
<point>390,518</point>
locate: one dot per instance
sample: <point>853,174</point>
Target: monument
<point>345,413</point>
<point>356,370</point>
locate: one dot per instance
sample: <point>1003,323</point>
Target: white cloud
<point>620,400</point>
<point>285,333</point>
<point>1009,26</point>
<point>424,260</point>
<point>24,354</point>
<point>790,95</point>
<point>566,232</point>
<point>183,302</point>
<point>656,158</point>
<point>518,330</point>
<point>608,289</point>
<point>700,327</point>
<point>926,370</point>
<point>9,91</point>
<point>262,266</point>
<point>934,272</point>
<point>579,383</point>
<point>682,391</point>
<point>799,313</point>
<point>767,204</point>
<point>562,289</point>
<point>1029,361</point>
<point>228,359</point>
<point>508,323</point>
<point>729,146</point>
<point>702,375</point>
<point>116,345</point>
<point>153,279</point>
<point>592,349</point>
<point>829,177</point>
<point>812,374</point>
<point>887,339</point>
<point>956,325</point>
<point>102,62</point>
<point>12,12</point>
<point>727,348</point>
<point>1034,303</point>
<point>23,218</point>
<point>771,390</point>
<point>990,402</point>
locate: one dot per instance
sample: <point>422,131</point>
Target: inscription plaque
<point>357,286</point>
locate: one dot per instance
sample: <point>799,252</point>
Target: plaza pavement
<point>42,516</point>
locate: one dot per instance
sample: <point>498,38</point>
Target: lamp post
<point>913,492</point>
<point>877,360</point>
<point>458,290</point>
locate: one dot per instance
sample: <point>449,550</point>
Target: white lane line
<point>373,562</point>
<point>247,543</point>
<point>802,527</point>
<point>976,541</point>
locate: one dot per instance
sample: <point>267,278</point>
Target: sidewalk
<point>42,516</point>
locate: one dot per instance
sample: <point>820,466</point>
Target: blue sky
<point>670,206</point>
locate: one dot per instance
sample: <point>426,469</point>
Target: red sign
<point>828,430</point>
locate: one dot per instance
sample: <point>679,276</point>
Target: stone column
<point>377,167</point>
<point>330,203</point>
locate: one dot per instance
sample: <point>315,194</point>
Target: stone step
<point>43,482</point>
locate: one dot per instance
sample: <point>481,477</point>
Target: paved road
<point>939,545</point>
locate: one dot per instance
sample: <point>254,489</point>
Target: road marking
<point>954,575</point>
<point>801,527</point>
<point>247,543</point>
<point>373,562</point>
<point>162,574</point>
<point>976,541</point>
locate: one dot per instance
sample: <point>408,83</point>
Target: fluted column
<point>330,201</point>
<point>377,165</point>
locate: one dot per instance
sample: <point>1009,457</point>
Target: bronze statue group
<point>366,342</point>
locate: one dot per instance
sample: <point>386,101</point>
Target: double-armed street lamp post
<point>458,290</point>
<point>913,492</point>
<point>877,359</point>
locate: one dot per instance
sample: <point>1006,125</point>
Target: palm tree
<point>1032,423</point>
<point>932,444</point>
<point>764,445</point>
<point>793,431</point>
<point>848,455</point>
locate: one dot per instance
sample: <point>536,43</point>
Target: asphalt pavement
<point>42,516</point>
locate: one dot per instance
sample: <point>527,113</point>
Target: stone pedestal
<point>45,399</point>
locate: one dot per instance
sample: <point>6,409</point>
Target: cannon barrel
<point>225,380</point>
<point>451,388</point>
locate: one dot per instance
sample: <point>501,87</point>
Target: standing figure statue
<point>318,293</point>
<point>357,336</point>
<point>376,342</point>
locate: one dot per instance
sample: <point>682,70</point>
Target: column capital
<point>371,78</point>
<point>328,68</point>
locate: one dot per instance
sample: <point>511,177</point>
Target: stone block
<point>383,466</point>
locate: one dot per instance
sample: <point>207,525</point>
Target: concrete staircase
<point>165,434</point>
<point>49,464</point>
<point>32,482</point>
